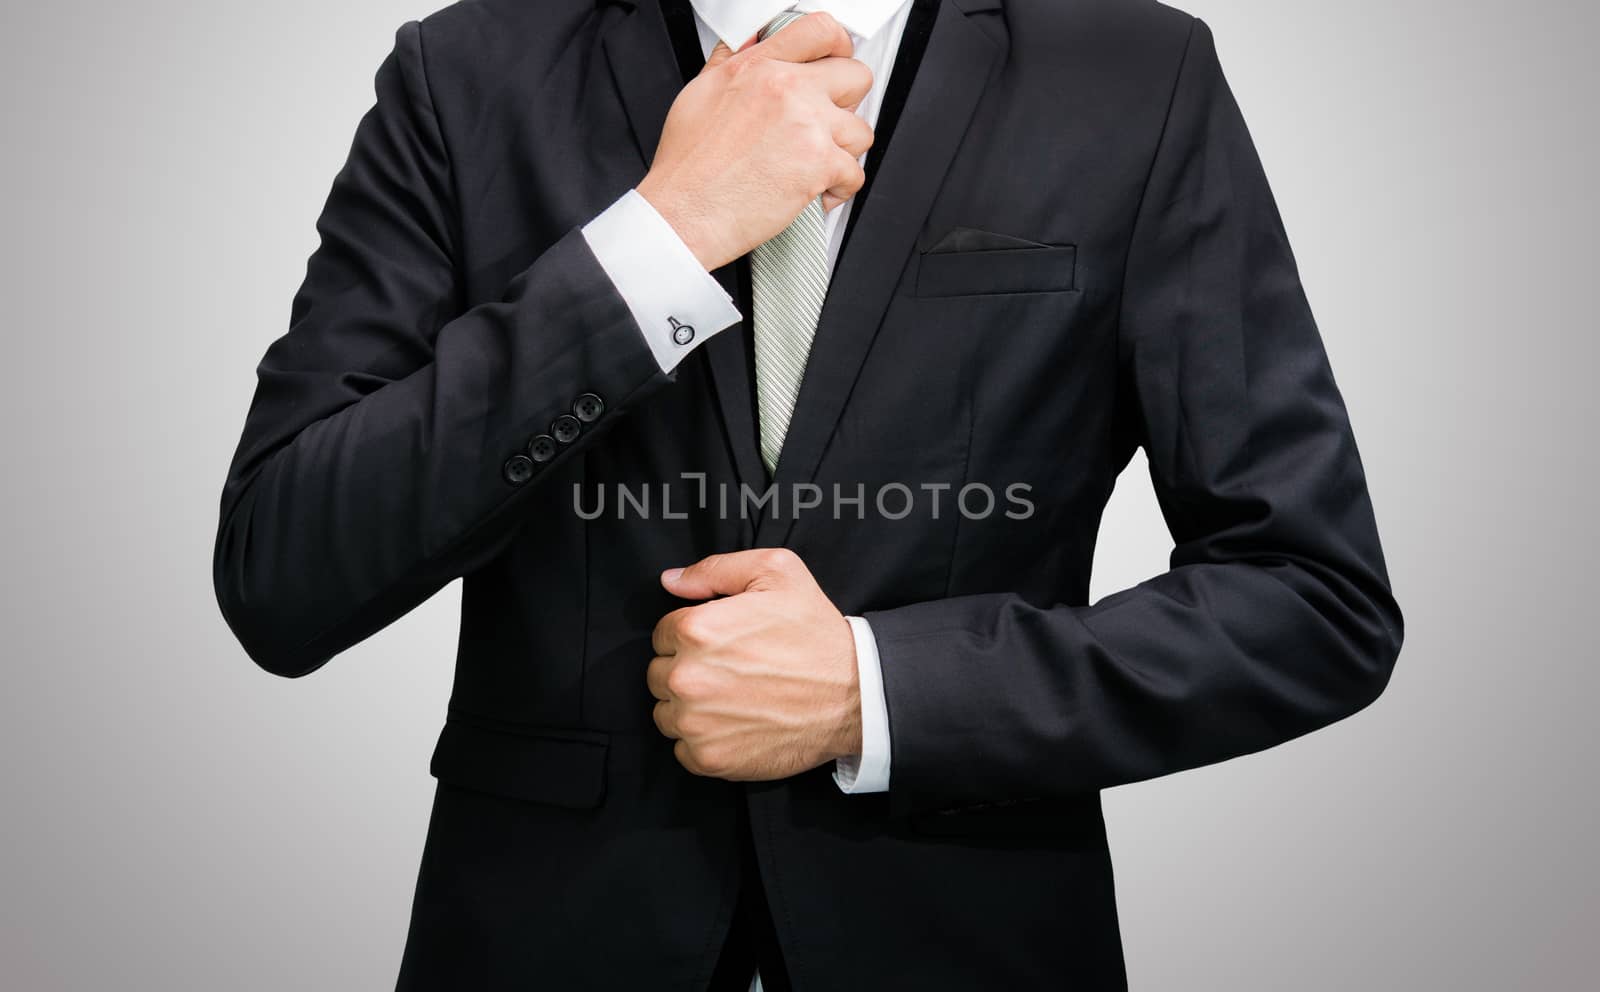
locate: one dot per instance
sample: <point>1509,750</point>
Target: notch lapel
<point>728,357</point>
<point>955,69</point>
<point>645,72</point>
<point>639,51</point>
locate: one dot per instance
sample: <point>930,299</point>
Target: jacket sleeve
<point>386,448</point>
<point>1275,617</point>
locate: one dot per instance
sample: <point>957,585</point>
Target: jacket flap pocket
<point>559,767</point>
<point>1047,269</point>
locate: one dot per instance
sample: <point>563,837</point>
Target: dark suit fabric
<point>1068,252</point>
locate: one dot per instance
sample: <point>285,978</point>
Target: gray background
<point>175,819</point>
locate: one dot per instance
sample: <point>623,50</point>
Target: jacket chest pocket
<point>997,271</point>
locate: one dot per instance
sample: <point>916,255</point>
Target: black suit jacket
<point>453,311</point>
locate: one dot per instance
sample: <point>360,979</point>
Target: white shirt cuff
<point>676,302</point>
<point>868,771</point>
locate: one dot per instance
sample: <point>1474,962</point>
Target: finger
<point>719,55</point>
<point>665,715</point>
<point>847,181</point>
<point>686,758</point>
<point>814,36</point>
<point>727,574</point>
<point>715,575</point>
<point>664,640</point>
<point>655,676</point>
<point>847,81</point>
<point>852,134</point>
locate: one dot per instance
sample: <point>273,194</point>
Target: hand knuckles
<point>847,176</point>
<point>713,759</point>
<point>777,559</point>
<point>819,144</point>
<point>694,627</point>
<point>691,726</point>
<point>683,681</point>
<point>739,67</point>
<point>693,757</point>
<point>685,755</point>
<point>777,82</point>
<point>858,78</point>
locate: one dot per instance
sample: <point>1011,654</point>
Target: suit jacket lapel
<point>642,65</point>
<point>728,356</point>
<point>640,52</point>
<point>955,69</point>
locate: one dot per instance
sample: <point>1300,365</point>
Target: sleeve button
<point>542,448</point>
<point>518,469</point>
<point>566,428</point>
<point>588,407</point>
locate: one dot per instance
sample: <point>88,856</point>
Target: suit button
<point>542,448</point>
<point>518,469</point>
<point>588,408</point>
<point>566,428</point>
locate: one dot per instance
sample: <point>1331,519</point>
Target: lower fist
<point>760,684</point>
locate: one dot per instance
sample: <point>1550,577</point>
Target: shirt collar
<point>737,21</point>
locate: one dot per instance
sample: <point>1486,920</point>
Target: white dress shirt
<point>664,285</point>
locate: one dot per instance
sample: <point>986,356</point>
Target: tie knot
<point>778,23</point>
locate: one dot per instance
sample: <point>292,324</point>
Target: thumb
<point>725,574</point>
<point>719,55</point>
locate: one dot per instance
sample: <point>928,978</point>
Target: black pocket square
<point>973,239</point>
<point>970,262</point>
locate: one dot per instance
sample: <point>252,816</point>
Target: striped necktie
<point>789,278</point>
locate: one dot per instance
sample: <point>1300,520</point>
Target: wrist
<point>846,738</point>
<point>685,220</point>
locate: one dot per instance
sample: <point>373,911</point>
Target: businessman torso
<point>934,377</point>
<point>950,353</point>
<point>980,374</point>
